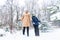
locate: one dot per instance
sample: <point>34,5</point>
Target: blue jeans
<point>36,29</point>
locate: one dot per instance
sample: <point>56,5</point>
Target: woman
<point>35,22</point>
<point>26,22</point>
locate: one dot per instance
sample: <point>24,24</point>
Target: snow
<point>53,17</point>
<point>17,35</point>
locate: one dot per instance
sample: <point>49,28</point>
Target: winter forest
<point>47,11</point>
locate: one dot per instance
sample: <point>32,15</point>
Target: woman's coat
<point>26,19</point>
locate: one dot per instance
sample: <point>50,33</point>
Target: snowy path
<point>55,35</point>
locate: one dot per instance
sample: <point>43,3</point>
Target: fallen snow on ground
<point>17,35</point>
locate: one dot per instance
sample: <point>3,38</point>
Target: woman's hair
<point>26,11</point>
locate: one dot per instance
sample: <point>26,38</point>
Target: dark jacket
<point>35,20</point>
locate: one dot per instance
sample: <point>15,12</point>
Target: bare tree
<point>31,5</point>
<point>8,12</point>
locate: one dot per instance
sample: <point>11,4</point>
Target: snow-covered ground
<point>17,35</point>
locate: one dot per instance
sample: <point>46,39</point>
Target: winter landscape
<point>47,11</point>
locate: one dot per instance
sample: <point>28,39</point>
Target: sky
<point>21,2</point>
<point>2,2</point>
